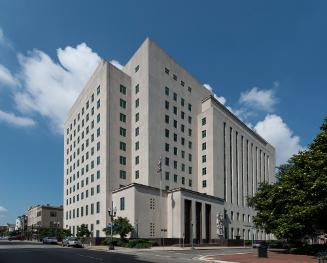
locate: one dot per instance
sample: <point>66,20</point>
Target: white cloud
<point>116,64</point>
<point>3,210</point>
<point>221,99</point>
<point>11,118</point>
<point>51,88</point>
<point>259,99</point>
<point>276,132</point>
<point>3,40</point>
<point>6,77</point>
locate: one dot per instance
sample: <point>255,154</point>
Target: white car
<point>71,242</point>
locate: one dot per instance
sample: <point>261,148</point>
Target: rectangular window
<point>204,121</point>
<point>204,171</point>
<point>166,147</point>
<point>98,207</point>
<point>166,133</point>
<point>175,110</point>
<point>137,88</point>
<point>189,107</point>
<point>167,119</point>
<point>122,174</point>
<point>204,133</point>
<point>122,89</point>
<point>167,105</point>
<point>137,159</point>
<point>98,104</point>
<point>98,118</point>
<point>137,68</point>
<point>167,91</point>
<point>204,158</point>
<point>122,203</point>
<point>175,96</point>
<point>122,146</point>
<point>204,183</point>
<point>137,117</point>
<point>122,132</point>
<point>137,174</point>
<point>92,209</point>
<point>122,117</point>
<point>123,103</point>
<point>137,103</point>
<point>204,146</point>
<point>137,131</point>
<point>167,71</point>
<point>137,146</point>
<point>175,178</point>
<point>122,160</point>
<point>98,90</point>
<point>167,176</point>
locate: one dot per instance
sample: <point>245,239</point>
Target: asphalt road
<point>25,252</point>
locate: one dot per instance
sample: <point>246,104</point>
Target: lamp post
<point>112,214</point>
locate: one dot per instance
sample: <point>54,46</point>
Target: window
<point>167,71</point>
<point>204,158</point>
<point>122,132</point>
<point>167,105</point>
<point>175,178</point>
<point>137,131</point>
<point>122,160</point>
<point>167,119</point>
<point>137,146</point>
<point>175,137</point>
<point>137,103</point>
<point>98,118</point>
<point>137,117</point>
<point>175,110</point>
<point>167,161</point>
<point>183,180</point>
<point>182,83</point>
<point>167,176</point>
<point>174,77</point>
<point>189,89</point>
<point>204,121</point>
<point>98,90</point>
<point>204,133</point>
<point>167,147</point>
<point>190,182</point>
<point>122,146</point>
<point>98,174</point>
<point>175,164</point>
<point>92,209</point>
<point>122,117</point>
<point>137,174</point>
<point>98,132</point>
<point>175,96</point>
<point>189,119</point>
<point>123,103</point>
<point>98,207</point>
<point>175,124</point>
<point>92,97</point>
<point>204,183</point>
<point>189,107</point>
<point>167,91</point>
<point>204,171</point>
<point>166,133</point>
<point>122,203</point>
<point>175,150</point>
<point>137,88</point>
<point>122,174</point>
<point>137,159</point>
<point>137,68</point>
<point>204,146</point>
<point>183,115</point>
<point>98,104</point>
<point>122,89</point>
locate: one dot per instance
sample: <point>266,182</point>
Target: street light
<point>112,214</point>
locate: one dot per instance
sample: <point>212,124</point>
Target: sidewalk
<point>273,257</point>
<point>158,248</point>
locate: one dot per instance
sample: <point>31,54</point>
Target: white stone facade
<point>125,120</point>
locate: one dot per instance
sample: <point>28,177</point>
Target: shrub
<point>308,249</point>
<point>139,243</point>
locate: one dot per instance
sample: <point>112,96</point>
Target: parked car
<point>50,240</point>
<point>259,243</point>
<point>15,238</point>
<point>71,242</point>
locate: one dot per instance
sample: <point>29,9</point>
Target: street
<point>20,251</point>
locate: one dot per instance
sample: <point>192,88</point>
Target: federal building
<point>152,142</point>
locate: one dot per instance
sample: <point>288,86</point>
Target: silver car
<point>50,240</point>
<point>71,242</point>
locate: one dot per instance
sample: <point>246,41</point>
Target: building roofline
<point>235,118</point>
<point>178,189</point>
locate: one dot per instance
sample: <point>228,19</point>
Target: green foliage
<point>308,249</point>
<point>139,243</point>
<point>83,232</point>
<point>54,232</point>
<point>296,205</point>
<point>121,226</point>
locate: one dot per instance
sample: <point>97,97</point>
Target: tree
<point>296,205</point>
<point>83,232</point>
<point>121,226</point>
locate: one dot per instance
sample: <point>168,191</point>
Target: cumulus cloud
<point>221,99</point>
<point>6,77</point>
<point>50,88</point>
<point>116,64</point>
<point>276,132</point>
<point>259,99</point>
<point>12,119</point>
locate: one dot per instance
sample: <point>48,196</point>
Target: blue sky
<point>266,60</point>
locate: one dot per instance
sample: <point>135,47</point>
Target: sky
<point>265,60</point>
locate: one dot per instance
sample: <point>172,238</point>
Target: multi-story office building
<point>45,216</point>
<point>151,120</point>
